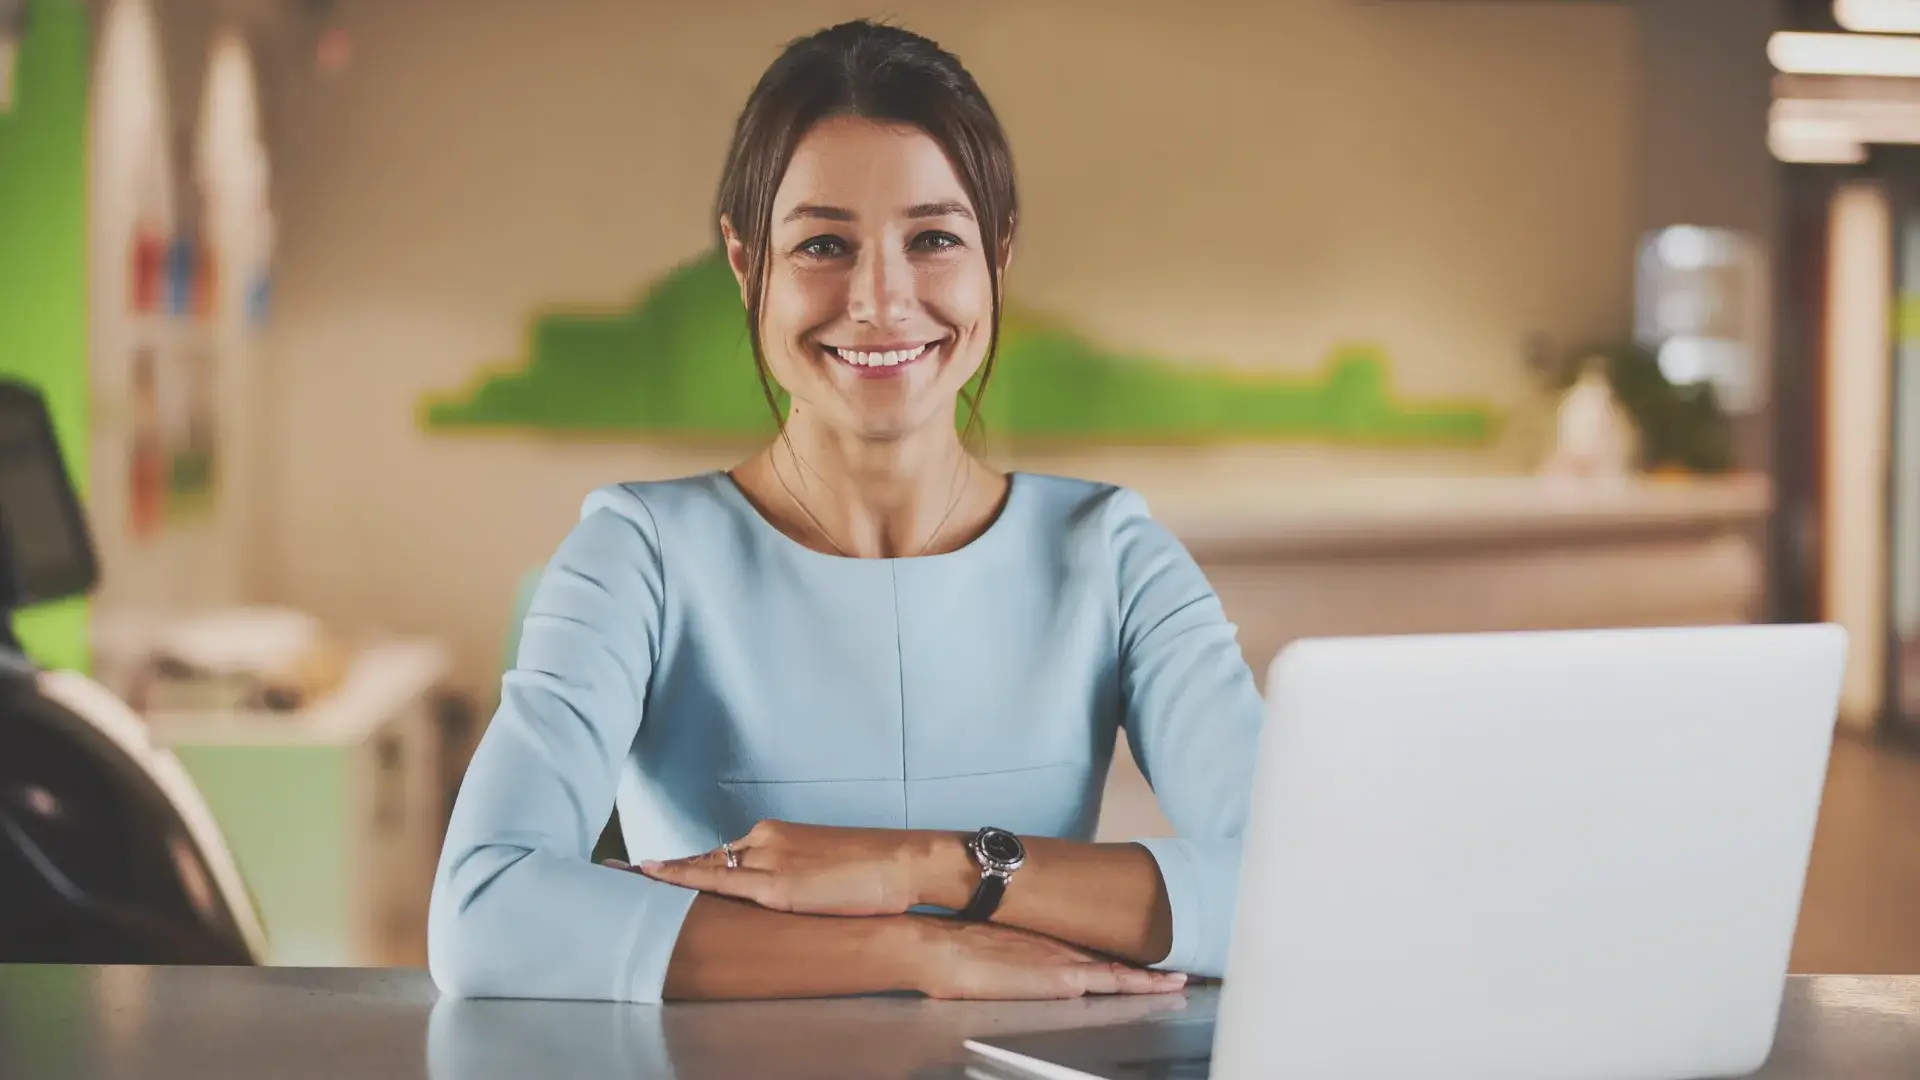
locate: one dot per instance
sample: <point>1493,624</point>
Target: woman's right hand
<point>982,961</point>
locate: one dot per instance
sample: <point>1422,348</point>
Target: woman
<point>862,628</point>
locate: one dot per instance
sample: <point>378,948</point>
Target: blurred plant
<point>1681,426</point>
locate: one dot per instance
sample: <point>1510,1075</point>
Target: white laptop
<point>1549,856</point>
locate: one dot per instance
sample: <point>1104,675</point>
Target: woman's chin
<point>884,429</point>
<point>889,409</point>
<point>894,421</point>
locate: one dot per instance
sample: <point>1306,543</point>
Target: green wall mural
<point>43,264</point>
<point>677,363</point>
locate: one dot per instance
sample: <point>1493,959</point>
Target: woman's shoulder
<point>1109,520</point>
<point>651,502</point>
<point>690,513</point>
<point>1066,500</point>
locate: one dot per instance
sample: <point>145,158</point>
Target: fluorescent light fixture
<point>1880,55</point>
<point>1854,110</point>
<point>1815,142</point>
<point>1838,130</point>
<point>1878,16</point>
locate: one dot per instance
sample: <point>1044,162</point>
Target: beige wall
<point>1251,181</point>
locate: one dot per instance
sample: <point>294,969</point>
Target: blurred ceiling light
<point>13,27</point>
<point>1838,130</point>
<point>1876,121</point>
<point>1814,142</point>
<point>1878,16</point>
<point>1883,55</point>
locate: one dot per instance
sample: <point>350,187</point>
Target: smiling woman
<point>875,205</point>
<point>862,677</point>
<point>869,296</point>
<point>898,295</point>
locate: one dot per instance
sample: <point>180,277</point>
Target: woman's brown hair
<point>888,75</point>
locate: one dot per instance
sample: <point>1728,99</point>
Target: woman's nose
<point>882,291</point>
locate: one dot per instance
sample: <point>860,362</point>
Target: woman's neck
<point>919,494</point>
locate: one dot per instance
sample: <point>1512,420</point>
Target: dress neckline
<point>731,490</point>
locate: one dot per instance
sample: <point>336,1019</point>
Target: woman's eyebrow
<point>939,209</point>
<point>946,208</point>
<point>813,210</point>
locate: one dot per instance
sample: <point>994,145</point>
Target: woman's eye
<point>937,241</point>
<point>823,247</point>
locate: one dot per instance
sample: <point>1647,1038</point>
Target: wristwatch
<point>998,853</point>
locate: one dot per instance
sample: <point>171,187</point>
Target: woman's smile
<point>883,361</point>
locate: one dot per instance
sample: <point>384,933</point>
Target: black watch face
<point>1000,846</point>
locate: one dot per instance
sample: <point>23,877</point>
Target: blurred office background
<point>1407,315</point>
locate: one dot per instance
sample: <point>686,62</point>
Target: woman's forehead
<point>863,169</point>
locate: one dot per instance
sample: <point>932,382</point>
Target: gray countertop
<point>66,1023</point>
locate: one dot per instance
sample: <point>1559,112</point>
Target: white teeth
<point>880,359</point>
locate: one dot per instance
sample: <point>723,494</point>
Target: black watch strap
<point>986,898</point>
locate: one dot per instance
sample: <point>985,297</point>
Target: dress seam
<point>900,672</point>
<point>660,558</point>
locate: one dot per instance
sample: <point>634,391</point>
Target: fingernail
<point>651,865</point>
<point>1177,978</point>
<point>615,863</point>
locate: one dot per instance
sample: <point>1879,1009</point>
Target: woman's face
<point>878,307</point>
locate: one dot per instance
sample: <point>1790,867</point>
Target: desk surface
<point>65,1023</point>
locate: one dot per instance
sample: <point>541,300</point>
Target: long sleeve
<point>1193,720</point>
<point>518,908</point>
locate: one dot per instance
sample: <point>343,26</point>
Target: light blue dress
<point>686,661</point>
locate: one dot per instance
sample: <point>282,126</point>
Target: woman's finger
<point>717,858</point>
<point>692,873</point>
<point>1115,978</point>
<point>1128,1007</point>
<point>1096,977</point>
<point>709,860</point>
<point>1135,980</point>
<point>741,883</point>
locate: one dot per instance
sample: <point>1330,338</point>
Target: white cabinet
<point>334,811</point>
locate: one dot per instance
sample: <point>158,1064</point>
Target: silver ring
<point>733,857</point>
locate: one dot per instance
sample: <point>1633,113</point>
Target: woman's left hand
<point>814,869</point>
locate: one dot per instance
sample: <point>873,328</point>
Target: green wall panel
<point>43,263</point>
<point>677,363</point>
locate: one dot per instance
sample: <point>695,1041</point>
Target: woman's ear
<point>736,254</point>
